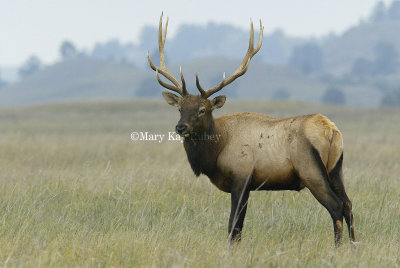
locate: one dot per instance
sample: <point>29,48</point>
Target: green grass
<point>76,191</point>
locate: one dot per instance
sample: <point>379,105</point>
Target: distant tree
<point>112,50</point>
<point>68,50</point>
<point>216,40</point>
<point>386,58</point>
<point>386,61</point>
<point>333,95</point>
<point>361,67</point>
<point>391,99</point>
<point>195,41</point>
<point>2,82</point>
<point>230,91</point>
<point>148,38</point>
<point>384,85</point>
<point>31,66</point>
<point>328,78</point>
<point>394,10</point>
<point>275,48</point>
<point>155,58</point>
<point>307,58</point>
<point>379,12</point>
<point>149,88</point>
<point>281,94</point>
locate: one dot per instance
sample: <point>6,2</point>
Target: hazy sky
<point>39,26</point>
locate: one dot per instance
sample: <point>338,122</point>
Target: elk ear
<point>171,99</point>
<point>218,102</point>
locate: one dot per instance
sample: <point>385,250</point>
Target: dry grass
<point>76,191</point>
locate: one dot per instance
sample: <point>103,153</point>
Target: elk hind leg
<point>313,173</point>
<point>336,182</point>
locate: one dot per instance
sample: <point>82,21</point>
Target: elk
<point>247,151</point>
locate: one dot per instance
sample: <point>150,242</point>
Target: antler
<point>241,70</point>
<point>177,87</point>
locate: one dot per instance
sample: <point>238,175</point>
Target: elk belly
<point>273,169</point>
<point>278,176</point>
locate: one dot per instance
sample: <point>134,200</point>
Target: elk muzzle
<point>181,129</point>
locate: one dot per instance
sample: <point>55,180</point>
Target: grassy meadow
<point>75,190</point>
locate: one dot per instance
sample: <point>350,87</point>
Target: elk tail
<point>335,150</point>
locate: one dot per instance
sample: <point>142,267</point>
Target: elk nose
<point>181,128</point>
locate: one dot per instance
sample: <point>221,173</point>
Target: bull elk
<point>246,151</point>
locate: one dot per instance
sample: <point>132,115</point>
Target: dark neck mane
<point>202,150</point>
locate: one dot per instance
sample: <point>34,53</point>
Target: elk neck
<point>203,148</point>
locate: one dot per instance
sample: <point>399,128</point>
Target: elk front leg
<point>239,198</point>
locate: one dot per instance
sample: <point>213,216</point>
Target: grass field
<point>76,191</point>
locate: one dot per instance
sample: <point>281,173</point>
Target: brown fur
<point>259,152</point>
<point>252,152</point>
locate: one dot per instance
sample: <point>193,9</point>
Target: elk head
<point>196,110</point>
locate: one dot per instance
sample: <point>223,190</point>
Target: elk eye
<point>202,110</point>
<point>179,109</point>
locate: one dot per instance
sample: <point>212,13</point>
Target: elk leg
<point>334,205</point>
<point>239,198</point>
<point>336,183</point>
<point>315,178</point>
<point>347,210</point>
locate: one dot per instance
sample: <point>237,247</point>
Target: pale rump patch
<point>326,138</point>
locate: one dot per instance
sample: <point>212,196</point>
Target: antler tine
<point>242,68</point>
<point>260,38</point>
<point>165,31</point>
<point>166,85</point>
<point>184,91</point>
<point>202,91</point>
<point>251,41</point>
<point>177,87</point>
<point>150,62</point>
<point>161,40</point>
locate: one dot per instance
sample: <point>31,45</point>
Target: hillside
<point>85,78</point>
<point>75,79</point>
<point>359,42</point>
<point>261,80</point>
